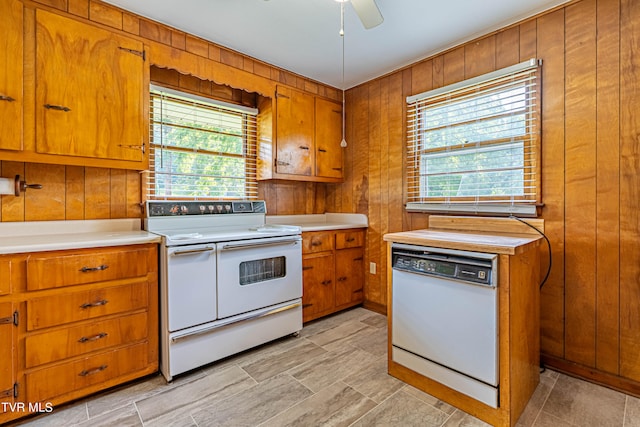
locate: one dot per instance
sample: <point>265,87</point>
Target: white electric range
<point>228,281</point>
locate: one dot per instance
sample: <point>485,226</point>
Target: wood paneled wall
<point>590,315</point>
<point>71,192</point>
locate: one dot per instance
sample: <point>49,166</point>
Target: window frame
<point>526,205</point>
<point>249,145</point>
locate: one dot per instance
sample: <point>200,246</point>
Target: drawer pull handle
<point>337,169</point>
<point>326,282</point>
<point>351,239</point>
<point>316,243</point>
<point>6,98</point>
<point>358,291</point>
<point>57,107</point>
<point>98,268</point>
<point>307,267</point>
<point>342,279</point>
<point>93,338</point>
<point>358,259</point>
<point>306,305</point>
<point>86,372</point>
<point>322,150</point>
<point>302,147</point>
<point>94,304</point>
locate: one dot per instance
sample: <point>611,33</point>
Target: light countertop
<point>38,236</point>
<point>490,242</point>
<point>321,222</point>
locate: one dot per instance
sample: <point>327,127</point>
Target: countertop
<point>489,242</point>
<point>321,222</point>
<point>38,236</point>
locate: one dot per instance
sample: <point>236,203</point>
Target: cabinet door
<point>11,74</point>
<point>328,132</point>
<point>294,132</point>
<point>349,276</point>
<point>6,352</point>
<point>89,90</point>
<point>318,294</point>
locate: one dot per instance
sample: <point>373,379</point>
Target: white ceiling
<point>302,36</point>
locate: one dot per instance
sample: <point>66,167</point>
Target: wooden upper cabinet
<point>328,135</point>
<point>299,137</point>
<point>11,60</point>
<point>90,91</point>
<point>294,132</point>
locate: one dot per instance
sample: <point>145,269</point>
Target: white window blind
<point>200,148</point>
<point>475,145</point>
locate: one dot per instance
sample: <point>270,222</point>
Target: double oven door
<point>258,273</point>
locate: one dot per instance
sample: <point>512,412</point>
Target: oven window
<point>260,270</point>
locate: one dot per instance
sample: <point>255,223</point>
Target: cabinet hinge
<point>10,319</point>
<point>140,53</point>
<point>15,390</point>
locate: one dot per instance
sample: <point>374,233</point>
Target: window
<point>200,148</point>
<point>474,145</point>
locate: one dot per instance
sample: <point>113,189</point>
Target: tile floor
<point>333,374</point>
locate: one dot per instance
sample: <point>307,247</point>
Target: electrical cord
<point>546,276</point>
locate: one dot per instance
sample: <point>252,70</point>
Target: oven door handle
<point>231,322</point>
<point>236,246</point>
<point>193,251</point>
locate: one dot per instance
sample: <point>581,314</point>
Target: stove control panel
<point>201,207</point>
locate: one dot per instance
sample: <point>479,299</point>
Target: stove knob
<point>219,207</point>
<point>184,209</point>
<point>202,209</point>
<point>210,208</point>
<point>227,208</point>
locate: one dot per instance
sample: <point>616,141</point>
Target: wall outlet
<point>372,267</point>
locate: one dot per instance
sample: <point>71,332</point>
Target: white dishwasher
<point>445,317</point>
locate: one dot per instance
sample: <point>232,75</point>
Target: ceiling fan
<point>367,11</point>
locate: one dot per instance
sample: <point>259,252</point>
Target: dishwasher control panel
<point>453,267</point>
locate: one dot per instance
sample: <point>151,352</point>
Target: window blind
<point>200,148</point>
<point>475,145</point>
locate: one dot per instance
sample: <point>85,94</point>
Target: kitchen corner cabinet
<point>87,321</point>
<point>304,143</point>
<point>11,63</point>
<point>332,270</point>
<point>90,91</point>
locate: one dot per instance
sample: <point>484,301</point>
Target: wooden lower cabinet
<point>332,270</point>
<point>319,288</point>
<point>7,335</point>
<point>349,277</point>
<point>77,337</point>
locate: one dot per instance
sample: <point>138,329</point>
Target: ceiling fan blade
<point>368,12</point>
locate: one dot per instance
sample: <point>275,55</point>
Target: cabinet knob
<point>322,150</point>
<point>342,279</point>
<point>94,304</point>
<point>6,98</point>
<point>302,147</point>
<point>326,282</point>
<point>93,338</point>
<point>57,107</point>
<point>98,268</point>
<point>316,243</point>
<point>86,372</point>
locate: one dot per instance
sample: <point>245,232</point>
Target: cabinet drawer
<point>55,270</point>
<point>45,384</point>
<point>74,306</point>
<point>317,242</point>
<point>349,239</point>
<point>68,342</point>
